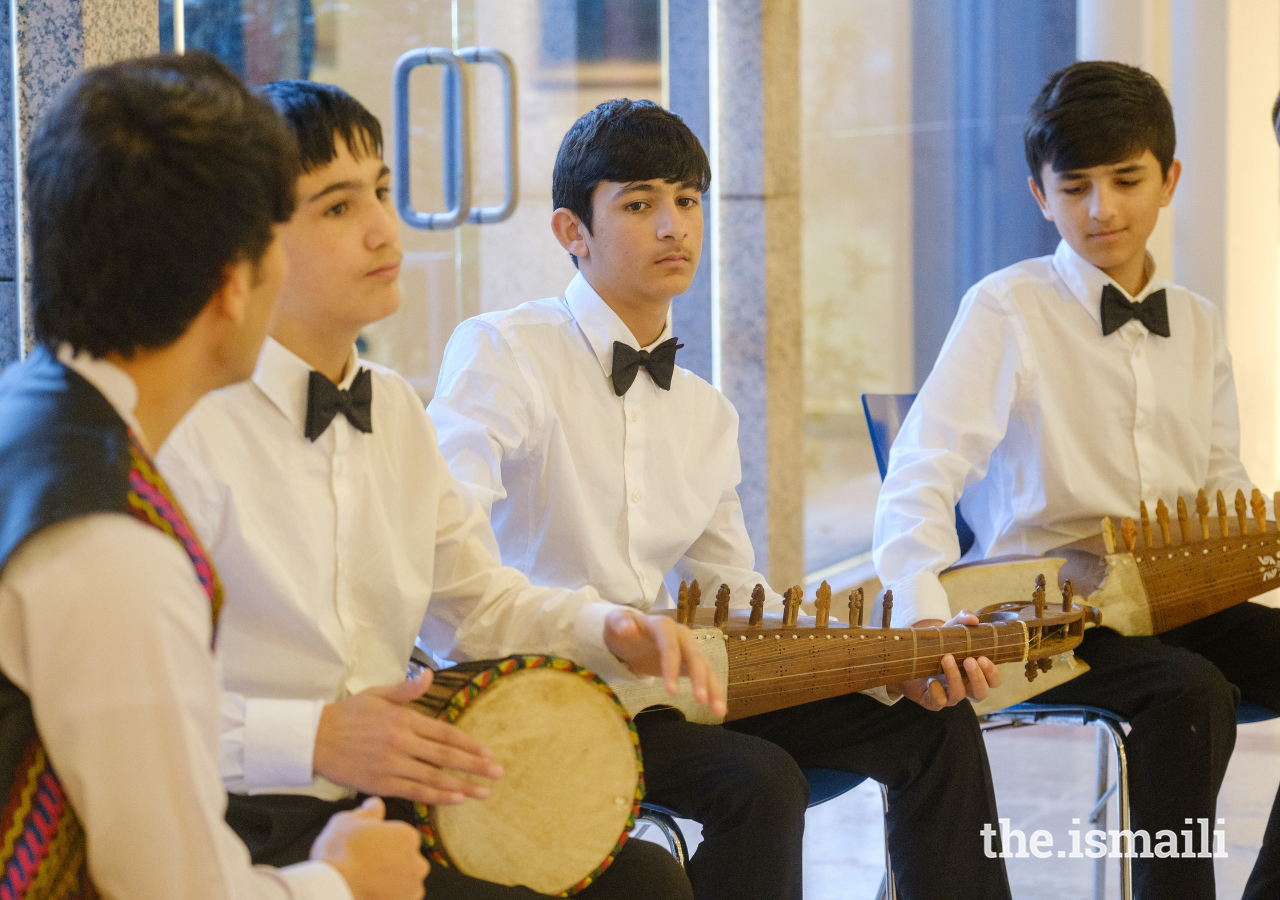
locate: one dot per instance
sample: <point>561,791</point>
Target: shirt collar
<point>1086,281</point>
<point>284,377</point>
<point>111,381</point>
<point>601,325</point>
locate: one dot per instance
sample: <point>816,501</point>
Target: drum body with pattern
<point>573,777</point>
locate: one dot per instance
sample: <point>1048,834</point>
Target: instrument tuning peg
<point>1068,595</point>
<point>722,605</point>
<point>1108,535</point>
<point>1147,542</point>
<point>1162,519</point>
<point>1202,511</point>
<point>1222,515</point>
<point>1242,513</point>
<point>1259,507</point>
<point>1037,596</point>
<point>1184,523</point>
<point>757,606</point>
<point>1129,532</point>
<point>887,609</point>
<point>682,604</point>
<point>695,598</point>
<point>822,605</point>
<point>855,608</point>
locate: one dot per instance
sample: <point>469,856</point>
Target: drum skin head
<point>569,782</point>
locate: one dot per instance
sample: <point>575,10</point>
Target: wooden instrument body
<point>773,666</point>
<point>970,585</point>
<point>1156,589</point>
<point>572,782</point>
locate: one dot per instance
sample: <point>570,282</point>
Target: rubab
<point>772,661</point>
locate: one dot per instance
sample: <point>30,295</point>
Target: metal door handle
<point>455,137</point>
<point>490,214</point>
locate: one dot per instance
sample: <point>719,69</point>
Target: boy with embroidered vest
<point>1069,388</point>
<point>320,491</point>
<point>154,187</point>
<point>597,473</point>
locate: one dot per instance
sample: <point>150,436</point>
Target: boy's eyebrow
<point>632,188</point>
<point>348,185</point>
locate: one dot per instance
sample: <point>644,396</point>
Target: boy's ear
<point>1040,198</point>
<point>570,232</point>
<point>1170,182</point>
<point>231,300</point>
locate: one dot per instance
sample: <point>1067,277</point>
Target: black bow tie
<point>627,361</point>
<point>324,401</point>
<point>1152,311</point>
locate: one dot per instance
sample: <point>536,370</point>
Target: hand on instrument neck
<point>374,743</point>
<point>655,645</point>
<point>954,684</point>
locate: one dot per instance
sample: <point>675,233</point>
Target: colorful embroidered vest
<point>64,453</point>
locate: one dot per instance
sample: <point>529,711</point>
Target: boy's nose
<point>1102,203</point>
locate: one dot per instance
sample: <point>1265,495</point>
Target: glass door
<point>568,55</point>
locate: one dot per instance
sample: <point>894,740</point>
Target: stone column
<point>755,244</point>
<point>56,39</point>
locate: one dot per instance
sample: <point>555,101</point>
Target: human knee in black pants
<point>743,782</point>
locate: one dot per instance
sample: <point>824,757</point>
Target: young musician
<point>596,472</point>
<point>154,188</point>
<point>1069,388</point>
<point>322,496</point>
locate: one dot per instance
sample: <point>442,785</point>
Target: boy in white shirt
<point>322,496</point>
<point>595,473</point>
<point>109,607</point>
<point>1069,388</point>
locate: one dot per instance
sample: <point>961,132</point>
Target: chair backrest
<point>885,414</point>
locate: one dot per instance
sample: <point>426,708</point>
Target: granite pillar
<point>55,39</point>
<point>755,246</point>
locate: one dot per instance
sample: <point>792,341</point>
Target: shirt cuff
<point>883,694</point>
<point>588,629</point>
<point>279,743</point>
<point>919,597</point>
<point>317,880</point>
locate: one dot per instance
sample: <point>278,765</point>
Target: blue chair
<point>824,785</point>
<point>885,414</point>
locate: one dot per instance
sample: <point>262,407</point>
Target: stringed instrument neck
<point>775,661</point>
<point>1211,561</point>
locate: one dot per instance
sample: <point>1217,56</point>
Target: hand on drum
<point>378,860</point>
<point>974,681</point>
<point>373,742</point>
<point>655,645</point>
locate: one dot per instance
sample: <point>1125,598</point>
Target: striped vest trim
<point>42,844</point>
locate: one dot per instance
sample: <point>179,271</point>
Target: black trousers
<point>1179,693</point>
<point>279,830</point>
<point>742,782</point>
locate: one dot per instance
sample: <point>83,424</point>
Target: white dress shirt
<point>104,625</point>
<point>332,552</point>
<point>583,486</point>
<point>1046,426</point>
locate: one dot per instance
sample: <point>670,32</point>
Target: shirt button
<point>338,466</point>
<point>635,496</point>
<point>635,415</point>
<point>1137,354</point>
<point>1142,421</point>
<point>1151,493</point>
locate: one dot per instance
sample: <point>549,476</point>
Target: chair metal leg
<point>671,831</point>
<point>888,890</point>
<point>1111,739</point>
<point>1122,807</point>
<point>1098,816</point>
